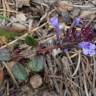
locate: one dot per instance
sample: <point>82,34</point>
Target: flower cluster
<point>83,37</point>
<point>87,33</point>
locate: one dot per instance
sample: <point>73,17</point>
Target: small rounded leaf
<point>5,55</point>
<point>29,40</point>
<point>36,64</point>
<point>19,72</point>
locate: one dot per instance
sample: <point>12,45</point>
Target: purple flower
<point>88,48</point>
<point>76,22</point>
<point>55,24</point>
<point>65,50</point>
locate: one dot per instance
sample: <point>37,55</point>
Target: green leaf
<point>5,55</point>
<point>36,64</point>
<point>29,40</point>
<point>2,17</point>
<point>7,34</point>
<point>19,72</point>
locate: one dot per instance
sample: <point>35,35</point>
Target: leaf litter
<point>47,48</point>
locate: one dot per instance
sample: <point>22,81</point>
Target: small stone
<point>64,6</point>
<point>21,17</point>
<point>36,81</point>
<point>18,27</point>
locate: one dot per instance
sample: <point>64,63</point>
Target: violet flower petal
<point>89,52</point>
<point>65,50</point>
<point>88,48</point>
<point>55,24</point>
<point>76,22</point>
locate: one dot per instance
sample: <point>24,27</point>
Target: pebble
<point>36,81</point>
<point>18,27</point>
<point>21,17</point>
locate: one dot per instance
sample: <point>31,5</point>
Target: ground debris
<point>20,3</point>
<point>47,48</point>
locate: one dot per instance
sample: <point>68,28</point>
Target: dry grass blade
<point>67,70</point>
<point>23,36</point>
<point>94,74</point>
<point>10,73</point>
<point>78,64</point>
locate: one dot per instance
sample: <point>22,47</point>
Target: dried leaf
<point>36,81</point>
<point>36,64</point>
<point>19,72</point>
